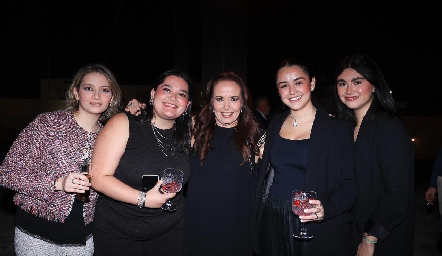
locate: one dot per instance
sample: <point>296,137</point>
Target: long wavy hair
<point>382,101</point>
<point>247,132</point>
<point>72,104</point>
<point>183,124</point>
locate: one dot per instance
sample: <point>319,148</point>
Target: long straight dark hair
<point>382,101</point>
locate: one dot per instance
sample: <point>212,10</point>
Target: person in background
<point>262,111</point>
<point>42,167</point>
<point>220,193</point>
<point>430,194</point>
<point>384,160</point>
<point>305,148</point>
<point>129,221</point>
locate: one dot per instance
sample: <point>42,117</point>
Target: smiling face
<point>294,88</point>
<point>227,103</point>
<point>94,94</point>
<point>355,91</point>
<point>170,100</point>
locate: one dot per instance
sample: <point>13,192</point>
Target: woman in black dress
<point>305,148</point>
<point>219,198</point>
<point>129,221</point>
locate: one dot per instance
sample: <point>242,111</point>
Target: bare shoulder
<point>118,123</point>
<point>119,119</point>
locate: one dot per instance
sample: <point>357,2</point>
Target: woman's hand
<point>73,183</point>
<point>316,213</point>
<point>134,107</point>
<point>430,195</point>
<point>366,248</point>
<point>155,198</point>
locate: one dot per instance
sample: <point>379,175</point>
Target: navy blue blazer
<point>329,171</point>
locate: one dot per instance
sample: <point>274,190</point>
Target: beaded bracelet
<point>370,241</point>
<point>141,199</point>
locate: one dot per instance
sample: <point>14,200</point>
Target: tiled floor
<point>426,230</point>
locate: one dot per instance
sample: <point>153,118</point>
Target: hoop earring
<point>151,101</point>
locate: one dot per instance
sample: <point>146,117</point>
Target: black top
<point>142,156</point>
<point>288,158</point>
<point>56,232</point>
<point>218,212</point>
<point>329,172</point>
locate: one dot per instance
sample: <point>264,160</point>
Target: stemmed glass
<point>300,201</point>
<point>172,183</point>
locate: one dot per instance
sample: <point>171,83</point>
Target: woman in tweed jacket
<point>42,167</point>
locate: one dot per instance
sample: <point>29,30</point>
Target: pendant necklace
<point>295,122</point>
<point>165,143</point>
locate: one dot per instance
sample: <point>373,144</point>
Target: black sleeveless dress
<point>142,156</point>
<point>218,213</point>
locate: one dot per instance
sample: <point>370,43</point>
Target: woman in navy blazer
<point>305,148</point>
<point>384,160</point>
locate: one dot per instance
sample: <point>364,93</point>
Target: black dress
<point>288,158</point>
<point>125,229</point>
<point>218,211</point>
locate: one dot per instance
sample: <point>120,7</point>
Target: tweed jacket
<point>50,147</point>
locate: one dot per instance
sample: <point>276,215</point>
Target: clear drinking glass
<point>172,183</point>
<point>300,201</point>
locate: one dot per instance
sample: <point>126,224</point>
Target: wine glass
<point>172,183</point>
<point>300,201</point>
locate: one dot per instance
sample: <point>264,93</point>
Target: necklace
<point>165,143</point>
<point>295,123</point>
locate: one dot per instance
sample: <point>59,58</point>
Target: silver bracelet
<point>141,199</point>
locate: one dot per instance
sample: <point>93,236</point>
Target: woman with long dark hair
<point>129,217</point>
<point>384,160</point>
<point>305,149</point>
<point>219,204</point>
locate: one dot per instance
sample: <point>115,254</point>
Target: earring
<point>185,112</point>
<point>151,101</point>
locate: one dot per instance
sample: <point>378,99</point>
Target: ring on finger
<point>317,217</point>
<point>131,103</point>
<point>73,181</point>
